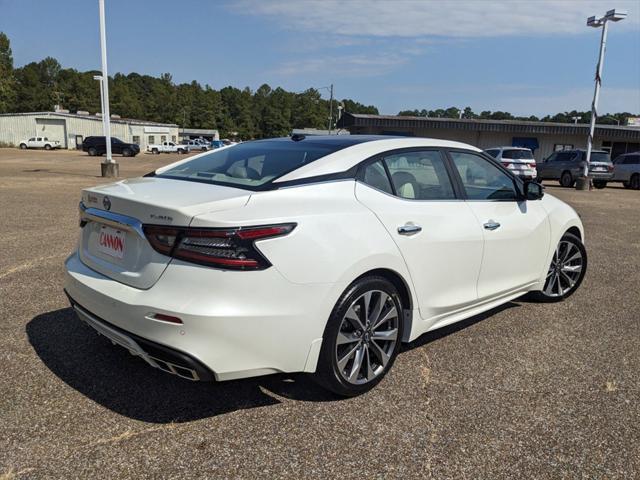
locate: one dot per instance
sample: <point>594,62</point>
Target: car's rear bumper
<point>601,176</point>
<point>236,324</point>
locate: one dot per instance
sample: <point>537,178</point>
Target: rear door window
<point>420,175</point>
<point>375,176</point>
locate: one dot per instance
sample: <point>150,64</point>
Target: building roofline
<point>131,121</point>
<point>511,126</point>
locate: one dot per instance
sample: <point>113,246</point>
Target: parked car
<point>40,142</point>
<point>317,254</point>
<point>567,165</point>
<point>217,144</point>
<point>168,147</point>
<point>517,159</point>
<point>626,169</point>
<point>196,144</point>
<point>98,146</point>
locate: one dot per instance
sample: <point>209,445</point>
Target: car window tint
<point>483,180</point>
<point>420,175</point>
<point>376,176</point>
<point>517,154</point>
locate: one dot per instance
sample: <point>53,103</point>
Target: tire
<point>126,152</point>
<point>23,146</point>
<point>634,183</point>
<point>599,184</point>
<point>155,151</point>
<point>92,152</point>
<point>181,151</point>
<point>564,278</point>
<point>566,180</point>
<point>47,147</point>
<point>350,337</point>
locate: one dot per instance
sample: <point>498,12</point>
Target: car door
<point>547,169</point>
<point>39,143</point>
<point>516,232</point>
<point>411,193</point>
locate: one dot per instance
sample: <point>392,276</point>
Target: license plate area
<point>111,242</point>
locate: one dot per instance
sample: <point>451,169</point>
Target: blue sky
<point>526,57</point>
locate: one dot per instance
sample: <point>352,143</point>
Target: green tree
<point>7,80</point>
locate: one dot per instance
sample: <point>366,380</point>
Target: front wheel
<point>47,147</point>
<point>566,272</point>
<point>599,184</point>
<point>362,337</point>
<point>126,152</point>
<point>23,146</point>
<point>155,151</point>
<point>634,183</point>
<point>92,152</point>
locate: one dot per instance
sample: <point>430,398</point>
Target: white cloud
<point>346,65</point>
<point>452,18</point>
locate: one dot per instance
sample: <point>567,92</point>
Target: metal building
<point>71,128</point>
<point>543,138</point>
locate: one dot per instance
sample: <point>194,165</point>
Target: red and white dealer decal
<point>111,242</point>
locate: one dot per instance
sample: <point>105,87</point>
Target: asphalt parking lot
<point>524,391</point>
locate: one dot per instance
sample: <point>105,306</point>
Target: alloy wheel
<point>565,269</point>
<point>367,337</point>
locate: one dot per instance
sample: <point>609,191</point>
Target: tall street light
<point>614,15</point>
<point>109,168</point>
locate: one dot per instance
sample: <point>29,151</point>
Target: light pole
<point>99,79</point>
<point>584,183</point>
<point>330,89</point>
<point>109,168</point>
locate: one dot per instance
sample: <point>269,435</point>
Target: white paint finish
<point>255,322</point>
<point>348,157</point>
<point>514,252</point>
<point>443,258</point>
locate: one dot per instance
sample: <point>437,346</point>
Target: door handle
<point>409,229</point>
<point>491,225</point>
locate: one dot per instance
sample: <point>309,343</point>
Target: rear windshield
<point>600,157</point>
<point>517,154</point>
<point>250,164</point>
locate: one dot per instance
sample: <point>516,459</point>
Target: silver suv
<point>518,160</point>
<point>626,169</point>
<point>567,165</point>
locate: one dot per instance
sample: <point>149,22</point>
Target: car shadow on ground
<point>110,376</point>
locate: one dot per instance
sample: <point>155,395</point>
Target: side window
<point>32,139</point>
<point>481,179</point>
<point>376,176</point>
<point>420,175</point>
<point>632,160</point>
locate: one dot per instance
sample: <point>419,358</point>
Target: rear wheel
<point>599,183</point>
<point>126,152</point>
<point>566,272</point>
<point>23,146</point>
<point>566,179</point>
<point>155,151</point>
<point>92,152</point>
<point>634,183</point>
<point>362,337</point>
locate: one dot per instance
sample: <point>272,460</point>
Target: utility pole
<point>109,168</point>
<point>584,183</point>
<point>330,109</point>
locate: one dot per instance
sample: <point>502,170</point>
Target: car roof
<point>507,148</point>
<point>353,149</point>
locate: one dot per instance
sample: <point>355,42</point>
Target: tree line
<point>234,112</point>
<point>573,116</point>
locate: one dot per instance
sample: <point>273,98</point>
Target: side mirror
<point>533,190</point>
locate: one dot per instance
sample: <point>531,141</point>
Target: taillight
<point>532,165</point>
<point>610,167</point>
<point>506,164</point>
<point>232,248</point>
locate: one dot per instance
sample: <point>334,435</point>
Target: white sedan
<point>317,254</point>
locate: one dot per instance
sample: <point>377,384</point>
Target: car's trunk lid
<point>112,240</point>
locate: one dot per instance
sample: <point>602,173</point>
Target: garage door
<point>53,129</point>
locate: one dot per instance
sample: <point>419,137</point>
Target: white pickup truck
<point>167,147</point>
<point>40,142</point>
